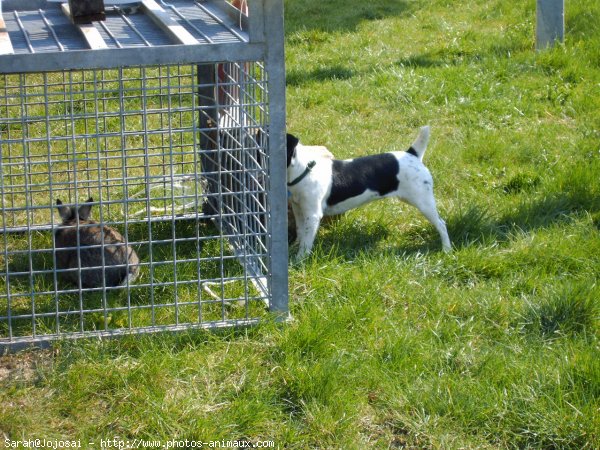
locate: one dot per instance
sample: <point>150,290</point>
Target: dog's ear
<point>292,142</point>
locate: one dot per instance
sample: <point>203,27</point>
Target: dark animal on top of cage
<point>86,11</point>
<point>94,254</point>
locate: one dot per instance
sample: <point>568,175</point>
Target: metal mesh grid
<point>137,141</point>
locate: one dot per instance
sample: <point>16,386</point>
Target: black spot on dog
<point>377,173</point>
<point>412,151</point>
<point>292,142</point>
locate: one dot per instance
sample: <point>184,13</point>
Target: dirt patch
<point>24,367</point>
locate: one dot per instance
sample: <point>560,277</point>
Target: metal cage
<point>175,151</point>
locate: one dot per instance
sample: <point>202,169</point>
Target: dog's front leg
<point>307,225</point>
<point>297,217</point>
<point>307,236</point>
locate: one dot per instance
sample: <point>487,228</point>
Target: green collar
<point>309,167</point>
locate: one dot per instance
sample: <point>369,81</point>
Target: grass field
<point>394,344</point>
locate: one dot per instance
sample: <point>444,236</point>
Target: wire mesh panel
<point>124,209</point>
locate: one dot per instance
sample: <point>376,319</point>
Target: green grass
<point>395,344</point>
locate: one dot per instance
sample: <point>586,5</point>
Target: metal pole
<point>550,23</point>
<point>278,189</point>
<point>209,138</point>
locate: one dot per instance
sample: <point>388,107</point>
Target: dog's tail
<point>420,145</point>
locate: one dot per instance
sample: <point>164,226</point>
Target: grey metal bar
<point>166,23</point>
<point>550,23</point>
<point>256,23</point>
<point>24,31</point>
<point>18,344</point>
<point>49,26</point>
<point>190,24</point>
<point>220,21</point>
<point>109,59</point>
<point>133,27</point>
<point>5,252</point>
<point>277,159</point>
<point>110,33</point>
<point>234,13</point>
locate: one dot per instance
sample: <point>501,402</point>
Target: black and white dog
<point>321,186</point>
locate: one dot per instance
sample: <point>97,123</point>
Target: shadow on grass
<point>454,56</point>
<point>477,225</point>
<point>299,78</point>
<point>571,309</point>
<point>424,61</point>
<point>335,15</point>
<point>347,238</point>
<point>572,192</point>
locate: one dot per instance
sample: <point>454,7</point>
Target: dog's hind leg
<point>421,197</point>
<point>429,210</point>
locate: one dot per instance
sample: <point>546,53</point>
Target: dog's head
<point>292,142</point>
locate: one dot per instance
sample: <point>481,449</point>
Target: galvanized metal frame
<point>195,130</point>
